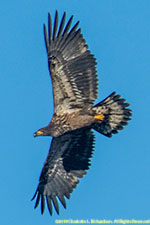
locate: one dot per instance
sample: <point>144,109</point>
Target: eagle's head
<point>45,131</point>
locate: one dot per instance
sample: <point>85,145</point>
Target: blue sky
<point>118,183</point>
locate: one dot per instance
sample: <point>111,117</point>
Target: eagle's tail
<point>111,115</point>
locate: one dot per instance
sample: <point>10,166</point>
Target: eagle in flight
<point>74,79</point>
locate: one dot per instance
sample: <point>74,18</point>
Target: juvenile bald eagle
<point>74,78</point>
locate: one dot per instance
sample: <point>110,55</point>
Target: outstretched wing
<point>71,65</point>
<point>68,158</point>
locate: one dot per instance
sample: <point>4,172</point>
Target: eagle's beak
<point>38,133</point>
<point>35,134</point>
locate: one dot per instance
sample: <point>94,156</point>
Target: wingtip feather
<point>55,25</point>
<point>49,27</point>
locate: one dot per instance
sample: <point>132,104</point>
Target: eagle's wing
<point>68,158</point>
<point>71,65</point>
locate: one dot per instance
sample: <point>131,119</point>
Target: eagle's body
<point>74,78</point>
<point>60,124</point>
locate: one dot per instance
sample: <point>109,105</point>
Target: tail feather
<point>115,112</point>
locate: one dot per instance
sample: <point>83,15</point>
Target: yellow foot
<point>99,117</point>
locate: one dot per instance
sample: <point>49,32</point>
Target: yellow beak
<point>38,133</point>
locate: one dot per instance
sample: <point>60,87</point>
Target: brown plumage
<point>74,78</point>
